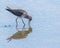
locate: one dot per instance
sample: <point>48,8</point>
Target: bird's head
<point>30,18</point>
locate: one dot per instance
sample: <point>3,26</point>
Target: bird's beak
<point>29,21</point>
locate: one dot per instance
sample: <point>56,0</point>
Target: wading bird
<point>20,13</point>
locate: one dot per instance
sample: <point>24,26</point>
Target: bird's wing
<point>22,11</point>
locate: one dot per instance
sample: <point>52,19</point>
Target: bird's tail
<point>8,7</point>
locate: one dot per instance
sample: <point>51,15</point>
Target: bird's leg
<point>23,22</point>
<point>16,23</point>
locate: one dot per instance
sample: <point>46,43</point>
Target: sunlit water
<point>45,26</point>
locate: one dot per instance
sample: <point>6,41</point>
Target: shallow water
<point>45,25</point>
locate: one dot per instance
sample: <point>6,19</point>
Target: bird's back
<point>17,12</point>
<point>20,12</point>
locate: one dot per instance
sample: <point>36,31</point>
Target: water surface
<point>45,25</point>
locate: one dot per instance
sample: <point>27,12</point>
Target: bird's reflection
<point>21,34</point>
